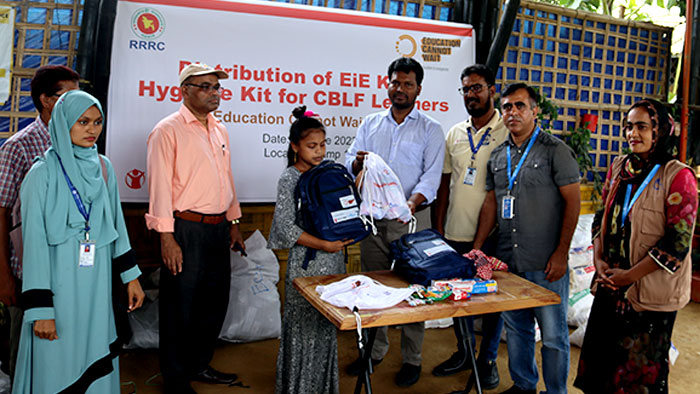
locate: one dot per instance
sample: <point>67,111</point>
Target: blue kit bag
<point>425,256</point>
<point>329,205</point>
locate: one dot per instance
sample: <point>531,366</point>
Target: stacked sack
<point>581,271</point>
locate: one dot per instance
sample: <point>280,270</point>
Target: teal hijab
<point>82,165</point>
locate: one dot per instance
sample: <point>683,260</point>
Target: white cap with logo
<point>196,69</point>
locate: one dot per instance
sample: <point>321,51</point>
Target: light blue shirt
<point>414,149</point>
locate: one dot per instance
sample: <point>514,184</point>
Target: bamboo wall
<point>588,63</point>
<point>46,32</point>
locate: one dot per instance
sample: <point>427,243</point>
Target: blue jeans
<point>520,330</point>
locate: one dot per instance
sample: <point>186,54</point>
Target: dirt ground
<point>255,364</point>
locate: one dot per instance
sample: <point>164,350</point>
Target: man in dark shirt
<point>532,185</point>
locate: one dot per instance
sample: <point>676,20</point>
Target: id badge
<point>87,254</point>
<point>507,207</point>
<point>470,176</point>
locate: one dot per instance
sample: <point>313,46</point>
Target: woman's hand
<point>619,277</point>
<point>45,329</point>
<point>335,246</point>
<point>601,268</point>
<point>135,294</point>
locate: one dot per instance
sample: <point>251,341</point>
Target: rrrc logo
<point>148,24</point>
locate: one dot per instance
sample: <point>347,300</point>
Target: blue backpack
<point>425,256</point>
<point>329,205</point>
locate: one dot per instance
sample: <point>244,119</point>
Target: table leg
<point>474,377</point>
<point>364,346</point>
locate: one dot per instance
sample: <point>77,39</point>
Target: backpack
<point>329,205</point>
<point>425,256</point>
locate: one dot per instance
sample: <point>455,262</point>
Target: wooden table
<point>513,293</point>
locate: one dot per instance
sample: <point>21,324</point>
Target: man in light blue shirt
<point>413,145</point>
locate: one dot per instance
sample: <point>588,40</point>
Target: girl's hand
<point>335,246</point>
<point>45,329</point>
<point>135,294</point>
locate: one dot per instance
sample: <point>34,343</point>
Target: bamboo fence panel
<point>588,63</point>
<point>46,32</point>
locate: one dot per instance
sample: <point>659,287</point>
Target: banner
<point>278,56</point>
<point>7,34</point>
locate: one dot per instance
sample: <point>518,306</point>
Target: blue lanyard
<point>471,141</point>
<point>511,178</point>
<point>628,204</point>
<point>78,200</point>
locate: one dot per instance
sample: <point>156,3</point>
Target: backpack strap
<point>310,255</point>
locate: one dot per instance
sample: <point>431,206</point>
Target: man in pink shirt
<point>193,206</point>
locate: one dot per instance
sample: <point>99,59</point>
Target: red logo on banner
<point>147,23</point>
<point>134,179</point>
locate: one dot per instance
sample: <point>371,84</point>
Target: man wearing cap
<point>193,206</point>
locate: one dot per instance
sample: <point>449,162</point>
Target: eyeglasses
<point>508,107</point>
<point>476,88</point>
<point>206,87</point>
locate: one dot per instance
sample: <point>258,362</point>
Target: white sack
<point>582,235</point>
<point>576,337</point>
<point>254,302</point>
<point>579,308</point>
<point>439,323</point>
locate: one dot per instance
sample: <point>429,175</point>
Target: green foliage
<point>611,7</point>
<point>547,112</point>
<point>579,140</point>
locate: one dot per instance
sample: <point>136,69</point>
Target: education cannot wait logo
<point>432,49</point>
<point>147,23</point>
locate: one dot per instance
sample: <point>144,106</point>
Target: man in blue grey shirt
<point>413,146</point>
<point>532,185</point>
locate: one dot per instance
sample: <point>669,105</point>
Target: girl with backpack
<point>307,361</point>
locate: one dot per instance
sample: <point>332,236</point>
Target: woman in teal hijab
<point>73,231</point>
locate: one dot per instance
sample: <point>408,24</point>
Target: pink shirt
<point>189,168</point>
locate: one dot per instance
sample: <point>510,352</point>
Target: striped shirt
<point>16,158</point>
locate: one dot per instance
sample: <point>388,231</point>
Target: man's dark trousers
<point>193,303</point>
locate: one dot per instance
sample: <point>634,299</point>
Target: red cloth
<point>485,265</point>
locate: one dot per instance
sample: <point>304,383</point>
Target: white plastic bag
<point>362,292</point>
<point>381,191</point>
<point>254,303</point>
